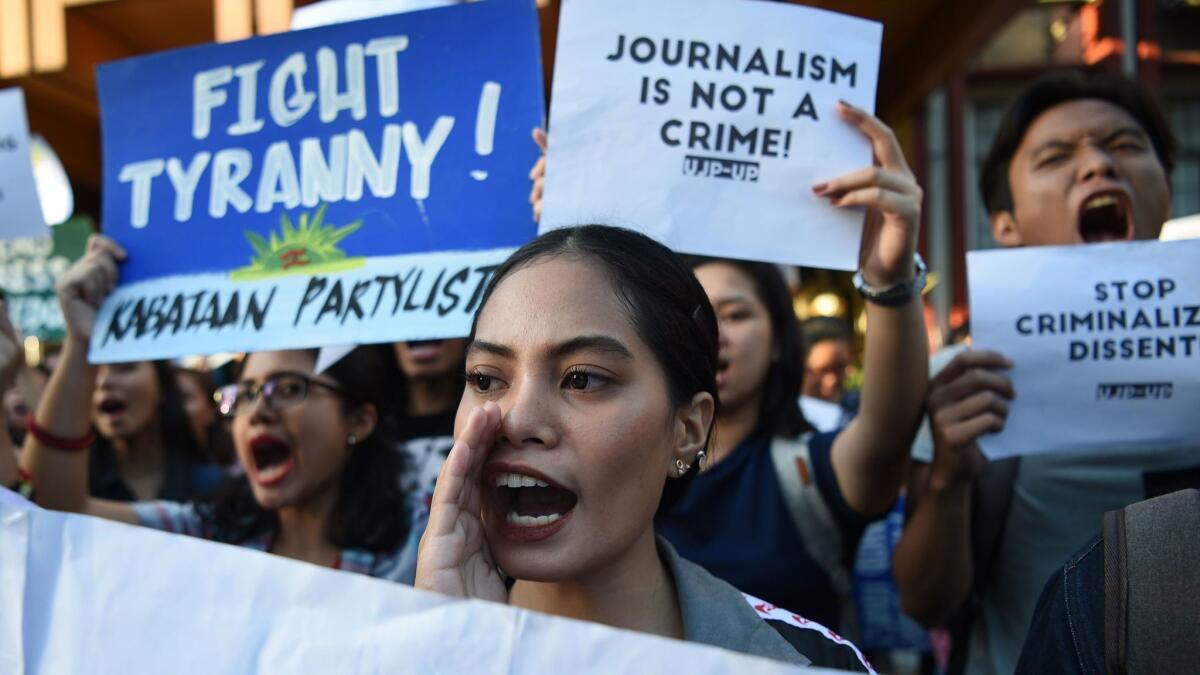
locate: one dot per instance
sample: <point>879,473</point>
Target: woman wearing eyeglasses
<point>321,476</point>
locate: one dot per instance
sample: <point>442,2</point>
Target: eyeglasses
<point>281,390</point>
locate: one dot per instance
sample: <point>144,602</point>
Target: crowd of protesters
<point>621,438</point>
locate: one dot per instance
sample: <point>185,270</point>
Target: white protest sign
<point>704,123</point>
<point>1105,339</point>
<point>83,595</point>
<point>9,497</point>
<point>329,12</point>
<point>20,211</point>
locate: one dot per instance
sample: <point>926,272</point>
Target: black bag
<point>1151,582</point>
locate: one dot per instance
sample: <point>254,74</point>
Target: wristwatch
<point>897,294</point>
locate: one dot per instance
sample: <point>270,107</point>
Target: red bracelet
<point>58,442</point>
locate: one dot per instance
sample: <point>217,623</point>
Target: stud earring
<point>681,468</point>
<point>351,440</point>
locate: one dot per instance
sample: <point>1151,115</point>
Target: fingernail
<point>820,188</point>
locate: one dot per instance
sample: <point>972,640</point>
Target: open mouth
<point>532,508</point>
<point>111,407</point>
<point>425,350</point>
<point>1105,217</point>
<point>722,371</point>
<point>273,459</point>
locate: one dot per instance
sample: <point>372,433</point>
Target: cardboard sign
<point>1105,339</point>
<point>30,267</point>
<point>351,183</point>
<point>20,210</point>
<point>79,594</point>
<point>704,123</point>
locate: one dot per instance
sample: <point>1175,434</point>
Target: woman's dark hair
<point>218,446</point>
<point>666,305</point>
<point>371,512</point>
<point>182,456</point>
<point>779,412</point>
<point>1055,89</point>
<point>176,433</point>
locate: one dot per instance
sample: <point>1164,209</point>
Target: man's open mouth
<point>1105,216</point>
<point>273,459</point>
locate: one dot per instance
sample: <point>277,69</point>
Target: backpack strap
<point>1115,592</point>
<point>810,514</point>
<point>1150,606</point>
<point>991,501</point>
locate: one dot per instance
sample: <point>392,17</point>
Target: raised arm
<point>60,476</point>
<point>933,563</point>
<point>870,456</point>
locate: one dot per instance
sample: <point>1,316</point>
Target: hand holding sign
<point>1104,339</point>
<point>538,175</point>
<point>362,178</point>
<point>892,197</point>
<point>694,122</point>
<point>454,557</point>
<point>967,399</point>
<point>86,284</point>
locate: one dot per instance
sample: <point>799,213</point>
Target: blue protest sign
<point>350,183</point>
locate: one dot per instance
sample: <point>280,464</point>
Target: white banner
<point>82,595</point>
<point>20,211</point>
<point>1105,339</point>
<point>422,295</point>
<point>704,123</point>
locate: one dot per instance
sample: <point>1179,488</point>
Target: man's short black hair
<point>1055,89</point>
<point>823,329</point>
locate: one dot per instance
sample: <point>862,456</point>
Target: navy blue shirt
<point>733,521</point>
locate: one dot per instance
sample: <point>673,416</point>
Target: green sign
<point>28,270</point>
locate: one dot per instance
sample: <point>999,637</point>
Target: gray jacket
<point>717,614</point>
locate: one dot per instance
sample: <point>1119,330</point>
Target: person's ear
<point>1004,229</point>
<point>362,421</point>
<point>692,424</point>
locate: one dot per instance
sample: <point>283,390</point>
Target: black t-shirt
<point>184,480</point>
<point>425,440</point>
